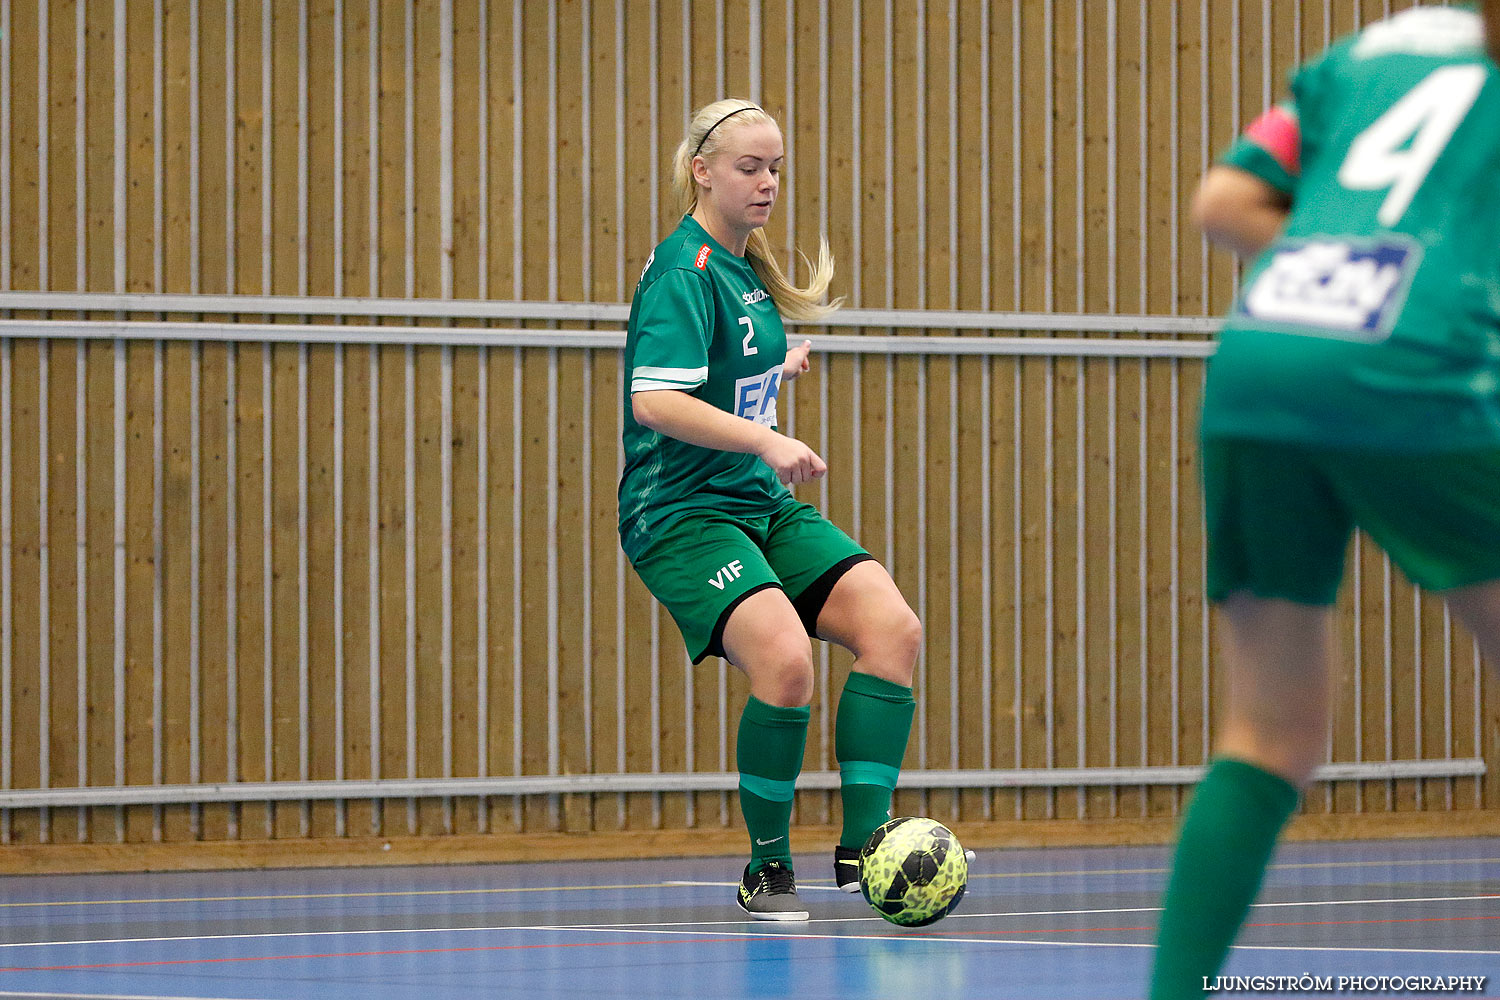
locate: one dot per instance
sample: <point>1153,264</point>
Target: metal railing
<point>1101,385</point>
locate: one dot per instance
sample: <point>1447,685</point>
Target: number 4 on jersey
<point>1400,147</point>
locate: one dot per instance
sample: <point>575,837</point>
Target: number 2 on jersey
<point>749,336</point>
<point>1400,147</point>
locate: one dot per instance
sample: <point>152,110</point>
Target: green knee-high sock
<point>769,752</point>
<point>869,740</point>
<point>1226,842</point>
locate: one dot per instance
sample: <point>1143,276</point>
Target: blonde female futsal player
<point>708,522</point>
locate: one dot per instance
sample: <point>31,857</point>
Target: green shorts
<point>1280,516</point>
<point>704,564</point>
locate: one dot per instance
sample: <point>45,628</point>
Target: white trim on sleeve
<point>645,378</point>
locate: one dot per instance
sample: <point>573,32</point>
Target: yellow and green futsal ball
<point>913,871</point>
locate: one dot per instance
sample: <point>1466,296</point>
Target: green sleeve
<point>1262,150</point>
<point>1320,91</point>
<point>674,327</point>
<point>1248,155</point>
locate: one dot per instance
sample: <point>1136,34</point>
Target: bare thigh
<point>1278,658</point>
<point>866,614</point>
<point>765,638</point>
<point>1478,607</point>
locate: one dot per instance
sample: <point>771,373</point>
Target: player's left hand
<point>796,361</point>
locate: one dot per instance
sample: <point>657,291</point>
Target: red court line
<point>1351,923</point>
<point>374,954</point>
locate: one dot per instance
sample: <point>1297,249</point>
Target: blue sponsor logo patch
<point>755,397</point>
<point>1334,288</point>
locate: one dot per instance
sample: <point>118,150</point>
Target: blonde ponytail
<point>804,303</point>
<point>705,137</point>
<point>1490,10</point>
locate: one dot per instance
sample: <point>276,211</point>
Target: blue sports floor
<point>1058,923</point>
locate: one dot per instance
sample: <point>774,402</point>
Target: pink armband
<point>1276,131</point>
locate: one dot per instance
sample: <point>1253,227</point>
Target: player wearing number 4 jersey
<point>706,518</point>
<point>1357,383</point>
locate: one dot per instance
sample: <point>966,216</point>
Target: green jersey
<point>1373,322</point>
<point>701,322</point>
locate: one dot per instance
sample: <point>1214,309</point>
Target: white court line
<point>1022,941</point>
<point>1102,911</point>
<point>396,893</point>
<point>928,939</point>
<point>663,927</point>
<point>275,896</point>
<point>1290,866</point>
<point>731,885</point>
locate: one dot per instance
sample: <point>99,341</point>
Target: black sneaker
<point>846,868</point>
<point>770,893</point>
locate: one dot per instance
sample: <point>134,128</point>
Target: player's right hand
<point>792,461</point>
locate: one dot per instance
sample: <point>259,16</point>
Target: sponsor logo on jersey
<point>755,397</point>
<point>703,252</point>
<point>759,295</point>
<point>1334,287</point>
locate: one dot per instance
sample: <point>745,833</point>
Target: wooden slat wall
<point>248,562</point>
